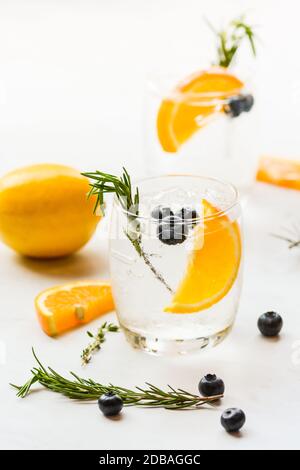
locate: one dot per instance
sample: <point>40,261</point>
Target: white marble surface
<point>71,83</point>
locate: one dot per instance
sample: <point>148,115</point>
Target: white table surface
<point>262,376</point>
<point>71,83</point>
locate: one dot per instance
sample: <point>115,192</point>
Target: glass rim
<point>220,213</point>
<point>169,91</point>
<point>209,98</point>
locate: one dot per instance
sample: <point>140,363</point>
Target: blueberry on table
<point>188,215</point>
<point>270,324</point>
<point>211,385</point>
<point>110,404</point>
<point>160,212</point>
<point>233,419</point>
<point>171,230</point>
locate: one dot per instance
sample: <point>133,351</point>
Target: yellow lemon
<point>44,210</point>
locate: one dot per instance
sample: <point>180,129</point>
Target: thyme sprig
<point>103,183</point>
<point>98,339</point>
<point>230,39</point>
<point>87,389</point>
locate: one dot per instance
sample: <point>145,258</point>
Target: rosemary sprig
<point>120,186</point>
<point>98,339</point>
<point>292,237</point>
<point>87,389</point>
<point>230,39</point>
<point>103,183</point>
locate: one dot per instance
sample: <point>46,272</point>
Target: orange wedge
<point>187,109</point>
<point>285,173</point>
<point>64,307</point>
<point>213,264</point>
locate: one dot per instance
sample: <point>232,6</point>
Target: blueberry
<point>188,215</point>
<point>160,212</point>
<point>211,385</point>
<point>156,212</point>
<point>239,104</point>
<point>171,230</point>
<point>233,419</point>
<point>270,324</point>
<point>248,102</point>
<point>110,404</point>
<point>234,107</point>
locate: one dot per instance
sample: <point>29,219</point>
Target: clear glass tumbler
<point>176,266</point>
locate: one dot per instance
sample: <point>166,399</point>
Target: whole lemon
<point>44,211</point>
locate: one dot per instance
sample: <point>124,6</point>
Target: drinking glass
<point>224,146</point>
<point>175,263</point>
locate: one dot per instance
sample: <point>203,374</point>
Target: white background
<point>72,80</point>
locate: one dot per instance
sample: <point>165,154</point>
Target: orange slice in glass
<point>62,308</point>
<point>213,263</point>
<point>191,103</point>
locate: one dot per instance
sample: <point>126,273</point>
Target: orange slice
<point>212,266</point>
<point>187,109</point>
<point>64,307</point>
<point>285,173</point>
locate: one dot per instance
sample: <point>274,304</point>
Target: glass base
<point>155,345</point>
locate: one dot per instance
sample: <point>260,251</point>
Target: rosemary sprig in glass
<point>98,339</point>
<point>103,183</point>
<point>230,39</point>
<point>87,389</point>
